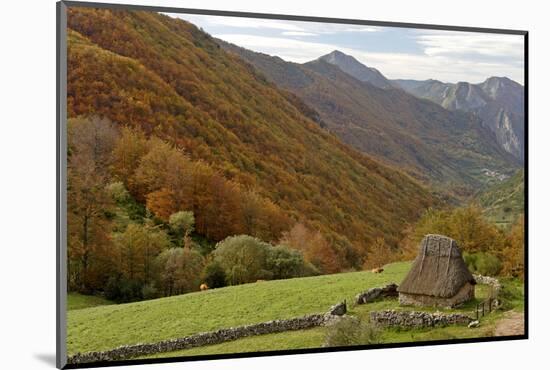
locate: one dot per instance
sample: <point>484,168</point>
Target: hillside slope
<point>166,76</point>
<point>448,149</point>
<point>498,101</point>
<point>102,328</point>
<point>505,201</point>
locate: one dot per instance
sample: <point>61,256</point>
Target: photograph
<point>240,184</point>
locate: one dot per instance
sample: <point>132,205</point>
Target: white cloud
<point>462,43</point>
<point>449,56</point>
<point>362,29</point>
<point>312,28</point>
<point>447,68</point>
<point>298,33</point>
<point>240,22</point>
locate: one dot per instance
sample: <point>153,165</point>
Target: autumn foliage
<point>181,156</point>
<point>485,246</point>
<point>166,80</point>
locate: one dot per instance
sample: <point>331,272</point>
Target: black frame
<point>61,166</point>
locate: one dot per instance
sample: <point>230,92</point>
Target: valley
<point>212,186</point>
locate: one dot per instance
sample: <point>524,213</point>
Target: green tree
<point>179,270</point>
<point>138,246</point>
<point>214,275</point>
<point>183,224</point>
<point>244,258</point>
<point>284,263</point>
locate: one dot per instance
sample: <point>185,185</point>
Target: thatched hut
<point>438,276</point>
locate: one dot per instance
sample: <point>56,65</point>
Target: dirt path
<point>511,324</point>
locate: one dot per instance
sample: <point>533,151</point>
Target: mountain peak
<point>336,56</point>
<point>496,81</point>
<point>337,52</point>
<point>354,68</point>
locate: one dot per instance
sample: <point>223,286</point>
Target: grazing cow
<point>259,280</point>
<point>204,287</point>
<point>377,270</point>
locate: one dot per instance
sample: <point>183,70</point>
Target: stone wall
<point>416,319</point>
<point>202,339</point>
<point>466,293</point>
<point>373,294</point>
<point>491,281</point>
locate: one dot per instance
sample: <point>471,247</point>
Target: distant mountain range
<point>448,149</point>
<point>498,102</point>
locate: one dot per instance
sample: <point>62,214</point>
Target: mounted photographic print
<point>236,184</point>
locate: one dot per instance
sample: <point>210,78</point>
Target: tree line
<point>146,221</point>
<point>487,248</point>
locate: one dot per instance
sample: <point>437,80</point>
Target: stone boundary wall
<point>373,294</point>
<point>214,337</point>
<point>491,281</point>
<point>417,319</point>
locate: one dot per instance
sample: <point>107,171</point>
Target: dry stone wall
<point>373,294</point>
<point>491,281</point>
<point>214,337</point>
<point>416,319</point>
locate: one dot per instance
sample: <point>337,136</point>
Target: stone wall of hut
<point>466,293</point>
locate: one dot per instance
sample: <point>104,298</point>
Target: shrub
<point>120,289</point>
<point>285,263</point>
<point>149,291</point>
<point>130,290</point>
<point>348,331</point>
<point>511,295</point>
<point>483,263</point>
<point>214,275</point>
<point>112,290</point>
<point>244,258</point>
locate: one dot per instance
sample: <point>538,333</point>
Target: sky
<point>399,53</point>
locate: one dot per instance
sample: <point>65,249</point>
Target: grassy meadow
<point>315,338</point>
<point>76,301</point>
<point>103,327</point>
<point>106,327</point>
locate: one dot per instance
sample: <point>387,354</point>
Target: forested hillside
<point>504,202</point>
<point>446,149</point>
<point>189,128</point>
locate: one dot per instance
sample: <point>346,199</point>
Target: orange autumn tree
<point>314,247</point>
<point>513,256</point>
<point>161,203</point>
<point>379,254</point>
<point>89,245</point>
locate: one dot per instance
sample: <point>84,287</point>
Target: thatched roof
<point>438,270</point>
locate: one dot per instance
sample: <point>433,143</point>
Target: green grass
<point>77,301</point>
<point>315,338</point>
<point>106,327</point>
<point>311,338</point>
<point>101,328</point>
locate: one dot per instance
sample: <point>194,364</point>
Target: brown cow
<point>204,287</point>
<point>377,270</point>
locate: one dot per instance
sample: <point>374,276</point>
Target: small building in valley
<point>438,276</point>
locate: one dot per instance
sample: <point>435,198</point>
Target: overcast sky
<point>448,56</point>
